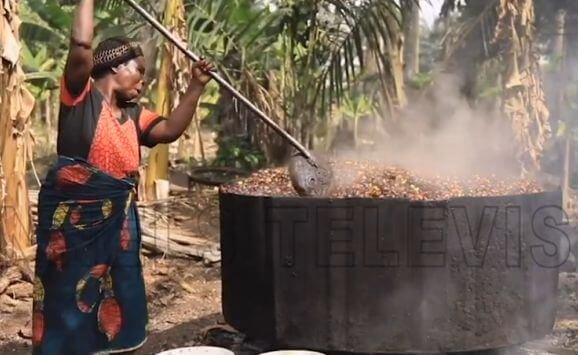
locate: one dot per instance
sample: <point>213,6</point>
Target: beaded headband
<point>111,55</point>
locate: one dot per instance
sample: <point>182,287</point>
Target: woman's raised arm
<point>79,62</point>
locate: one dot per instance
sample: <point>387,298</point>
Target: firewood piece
<point>208,253</point>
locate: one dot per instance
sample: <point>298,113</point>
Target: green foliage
<point>42,71</point>
<point>328,43</point>
<point>488,80</point>
<point>357,106</point>
<point>296,59</point>
<point>421,80</point>
<point>45,33</point>
<point>236,35</point>
<point>239,153</point>
<point>314,49</point>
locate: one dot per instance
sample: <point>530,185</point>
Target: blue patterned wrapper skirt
<point>89,293</point>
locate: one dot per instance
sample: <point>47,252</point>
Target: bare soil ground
<point>184,298</point>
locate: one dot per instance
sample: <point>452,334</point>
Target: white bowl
<point>198,350</point>
<point>292,352</point>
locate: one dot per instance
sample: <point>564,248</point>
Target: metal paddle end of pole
<point>310,176</point>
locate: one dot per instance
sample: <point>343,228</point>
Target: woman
<point>89,294</point>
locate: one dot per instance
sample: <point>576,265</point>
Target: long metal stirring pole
<point>220,80</point>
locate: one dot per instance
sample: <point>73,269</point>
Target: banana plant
<point>356,107</point>
<point>45,33</point>
<point>42,71</point>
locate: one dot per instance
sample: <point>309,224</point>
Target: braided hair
<point>113,52</point>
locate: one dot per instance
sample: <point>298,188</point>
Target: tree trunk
<point>395,48</point>
<point>412,39</point>
<point>16,105</point>
<point>158,161</point>
<point>393,98</point>
<point>559,52</point>
<point>171,81</point>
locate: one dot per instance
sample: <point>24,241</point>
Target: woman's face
<point>129,78</point>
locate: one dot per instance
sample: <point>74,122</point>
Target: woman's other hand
<point>200,72</point>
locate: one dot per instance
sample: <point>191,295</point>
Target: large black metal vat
<point>384,275</point>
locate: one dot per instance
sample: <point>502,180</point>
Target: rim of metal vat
<point>215,175</point>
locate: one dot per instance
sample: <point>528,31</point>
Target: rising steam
<point>442,134</point>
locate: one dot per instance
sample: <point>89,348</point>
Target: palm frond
<point>366,32</point>
<point>217,27</point>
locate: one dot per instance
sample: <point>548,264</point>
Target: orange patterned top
<point>87,129</point>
